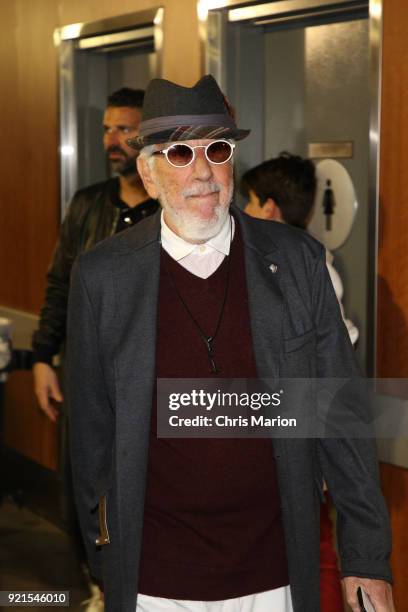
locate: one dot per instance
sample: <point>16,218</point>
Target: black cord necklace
<point>208,340</point>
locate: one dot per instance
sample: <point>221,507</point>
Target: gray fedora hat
<point>175,113</point>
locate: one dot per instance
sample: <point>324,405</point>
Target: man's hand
<point>379,592</point>
<point>47,388</point>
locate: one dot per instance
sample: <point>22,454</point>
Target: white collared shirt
<point>199,259</point>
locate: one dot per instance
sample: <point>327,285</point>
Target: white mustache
<point>202,189</point>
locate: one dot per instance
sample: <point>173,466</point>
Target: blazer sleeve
<point>90,414</point>
<point>349,466</point>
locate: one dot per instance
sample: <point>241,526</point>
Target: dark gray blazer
<point>297,331</point>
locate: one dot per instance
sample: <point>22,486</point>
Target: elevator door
<point>96,59</point>
<point>97,74</point>
<point>297,85</point>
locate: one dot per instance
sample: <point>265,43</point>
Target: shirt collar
<point>178,248</point>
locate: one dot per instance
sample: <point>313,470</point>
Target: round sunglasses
<point>181,155</point>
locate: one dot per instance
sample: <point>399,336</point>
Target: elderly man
<point>199,291</point>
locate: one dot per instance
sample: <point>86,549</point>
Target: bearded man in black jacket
<point>95,212</point>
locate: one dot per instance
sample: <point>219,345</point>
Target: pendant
<point>210,350</point>
<point>213,368</point>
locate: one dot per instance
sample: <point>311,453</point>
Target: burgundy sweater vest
<point>212,525</point>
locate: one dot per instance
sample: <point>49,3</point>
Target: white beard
<point>192,228</point>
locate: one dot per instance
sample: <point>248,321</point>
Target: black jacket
<point>91,217</point>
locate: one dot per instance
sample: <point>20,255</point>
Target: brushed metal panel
<point>333,150</point>
<point>290,7</point>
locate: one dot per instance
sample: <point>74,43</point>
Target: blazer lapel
<point>263,271</point>
<point>136,281</point>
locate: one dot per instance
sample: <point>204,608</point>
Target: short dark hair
<point>127,97</point>
<point>289,180</point>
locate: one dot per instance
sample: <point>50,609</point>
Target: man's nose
<point>202,167</point>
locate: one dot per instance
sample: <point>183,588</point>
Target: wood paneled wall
<point>392,355</point>
<point>394,482</point>
<point>28,431</point>
<point>392,350</point>
<point>28,155</point>
<point>28,195</point>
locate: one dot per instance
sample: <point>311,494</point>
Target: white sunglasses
<point>181,155</point>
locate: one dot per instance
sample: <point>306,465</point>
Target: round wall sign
<point>335,204</point>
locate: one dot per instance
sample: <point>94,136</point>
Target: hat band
<point>160,124</point>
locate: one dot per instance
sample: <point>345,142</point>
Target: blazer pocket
<point>103,537</point>
<point>298,342</point>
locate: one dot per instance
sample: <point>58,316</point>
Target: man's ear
<point>271,211</point>
<point>145,174</point>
